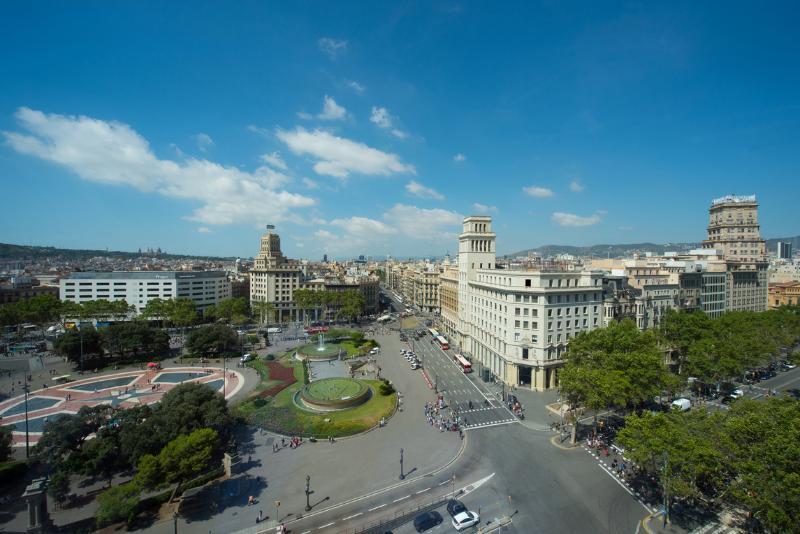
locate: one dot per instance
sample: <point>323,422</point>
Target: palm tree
<point>265,310</point>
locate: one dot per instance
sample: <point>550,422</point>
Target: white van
<point>274,330</point>
<point>682,405</point>
<point>247,358</point>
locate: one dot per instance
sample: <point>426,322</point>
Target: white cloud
<point>538,192</point>
<point>331,111</point>
<point>570,219</point>
<point>339,156</point>
<point>113,153</point>
<point>419,223</point>
<point>399,224</point>
<point>275,160</point>
<point>309,183</point>
<point>483,208</point>
<point>575,186</point>
<point>355,86</point>
<point>305,116</point>
<point>381,117</point>
<point>203,230</point>
<point>332,47</point>
<point>459,158</point>
<point>203,141</point>
<point>363,227</point>
<point>416,188</point>
<point>258,130</point>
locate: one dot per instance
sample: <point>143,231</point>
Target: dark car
<point>794,392</point>
<point>455,507</point>
<point>427,521</point>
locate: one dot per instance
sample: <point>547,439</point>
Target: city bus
<point>434,333</point>
<point>316,329</point>
<point>442,342</point>
<point>463,363</point>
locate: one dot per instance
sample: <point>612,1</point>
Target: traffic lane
<point>401,503</point>
<point>459,392</point>
<point>557,490</point>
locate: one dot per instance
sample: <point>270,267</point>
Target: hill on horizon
<point>624,250</point>
<point>10,251</point>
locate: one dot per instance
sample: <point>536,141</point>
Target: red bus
<point>463,363</point>
<point>316,329</point>
<point>442,342</point>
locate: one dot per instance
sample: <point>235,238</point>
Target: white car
<point>465,520</point>
<point>737,393</point>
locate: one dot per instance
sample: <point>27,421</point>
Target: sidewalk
<point>654,524</point>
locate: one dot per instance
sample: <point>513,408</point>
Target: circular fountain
<point>320,350</point>
<point>332,394</point>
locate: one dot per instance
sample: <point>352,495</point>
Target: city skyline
<point>376,132</point>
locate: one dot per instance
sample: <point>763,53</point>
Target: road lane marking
<point>401,498</point>
<point>377,507</point>
<point>422,491</point>
<point>326,526</point>
<point>352,516</point>
<point>445,482</point>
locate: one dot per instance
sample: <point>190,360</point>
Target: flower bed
<point>278,372</point>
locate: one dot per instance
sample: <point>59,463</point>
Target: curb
<point>575,447</point>
<point>645,522</point>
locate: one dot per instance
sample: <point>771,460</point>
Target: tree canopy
<point>216,339</point>
<point>748,456</point>
<point>614,367</point>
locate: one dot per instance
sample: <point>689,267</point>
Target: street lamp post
<point>308,493</point>
<point>27,439</point>
<point>665,488</point>
<point>402,475</point>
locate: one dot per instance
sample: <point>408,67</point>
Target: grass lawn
<point>334,388</point>
<point>282,415</point>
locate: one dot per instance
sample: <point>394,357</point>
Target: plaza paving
<point>122,389</point>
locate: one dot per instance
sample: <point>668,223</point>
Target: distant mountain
<point>22,252</point>
<point>621,251</point>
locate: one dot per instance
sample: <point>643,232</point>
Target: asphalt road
<point>458,390</point>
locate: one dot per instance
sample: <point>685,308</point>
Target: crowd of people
<point>436,417</point>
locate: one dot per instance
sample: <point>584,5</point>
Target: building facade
<point>516,322</point>
<point>448,305</point>
<point>733,229</point>
<point>786,294</point>
<point>274,278</point>
<point>19,288</point>
<point>137,288</point>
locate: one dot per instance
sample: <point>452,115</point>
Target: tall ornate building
<point>274,277</point>
<point>733,229</point>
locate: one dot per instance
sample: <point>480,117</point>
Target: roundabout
<point>332,394</point>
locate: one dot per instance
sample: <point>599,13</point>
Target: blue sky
<point>373,128</point>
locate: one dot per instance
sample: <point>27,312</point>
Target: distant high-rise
<point>784,250</point>
<point>733,229</point>
<point>324,258</point>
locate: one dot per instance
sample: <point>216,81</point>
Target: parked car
<point>247,358</point>
<point>427,521</point>
<point>683,405</point>
<point>455,507</point>
<point>415,366</point>
<point>465,520</point>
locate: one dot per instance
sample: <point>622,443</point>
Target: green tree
<point>265,311</point>
<point>305,300</point>
<point>227,309</point>
<point>5,443</point>
<point>69,344</point>
<point>156,309</point>
<point>58,486</point>
<point>613,367</point>
<point>352,304</point>
<point>116,504</point>
<point>761,442</point>
<point>680,448</point>
<point>182,312</point>
<point>135,338</point>
<point>184,457</point>
<point>212,339</point>
<point>64,437</point>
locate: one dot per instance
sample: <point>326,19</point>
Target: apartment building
<point>733,229</point>
<point>448,305</point>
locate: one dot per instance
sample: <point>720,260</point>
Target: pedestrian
<point>260,514</point>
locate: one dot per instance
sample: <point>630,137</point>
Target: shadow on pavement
<point>215,498</point>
